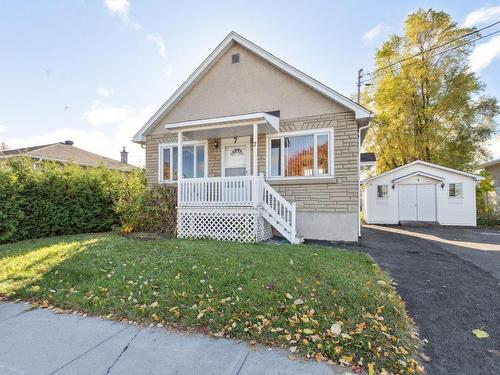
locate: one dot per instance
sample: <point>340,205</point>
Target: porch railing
<point>220,191</point>
<point>242,191</point>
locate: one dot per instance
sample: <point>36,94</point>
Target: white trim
<point>418,173</point>
<point>474,176</point>
<point>359,111</point>
<point>490,163</point>
<point>175,144</point>
<point>226,121</point>
<point>315,132</point>
<point>241,141</point>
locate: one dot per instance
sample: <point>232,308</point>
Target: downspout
<point>360,129</point>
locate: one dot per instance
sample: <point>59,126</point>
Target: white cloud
<point>483,54</point>
<point>122,123</point>
<point>160,44</point>
<point>482,15</point>
<point>374,32</point>
<point>104,93</point>
<point>118,7</point>
<point>2,128</point>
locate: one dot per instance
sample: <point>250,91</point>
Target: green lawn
<point>318,302</point>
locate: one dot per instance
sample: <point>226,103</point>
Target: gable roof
<point>424,163</point>
<point>490,163</point>
<point>65,152</point>
<point>360,112</point>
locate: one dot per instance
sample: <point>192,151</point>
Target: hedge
<point>55,199</point>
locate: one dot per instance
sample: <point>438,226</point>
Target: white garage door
<point>417,202</point>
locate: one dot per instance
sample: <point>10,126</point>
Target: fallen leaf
<point>154,304</point>
<point>293,349</point>
<point>480,334</point>
<point>200,315</point>
<point>298,301</point>
<point>371,368</point>
<point>308,331</point>
<point>336,328</point>
<point>288,295</point>
<point>155,317</point>
<point>291,262</point>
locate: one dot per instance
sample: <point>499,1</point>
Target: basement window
<point>235,58</point>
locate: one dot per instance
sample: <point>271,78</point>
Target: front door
<point>235,157</point>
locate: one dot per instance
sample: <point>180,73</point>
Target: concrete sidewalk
<point>38,341</point>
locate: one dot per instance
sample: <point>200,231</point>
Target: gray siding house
<point>265,148</point>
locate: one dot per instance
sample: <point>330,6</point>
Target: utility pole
<point>360,77</point>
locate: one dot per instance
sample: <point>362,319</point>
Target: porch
<point>238,205</point>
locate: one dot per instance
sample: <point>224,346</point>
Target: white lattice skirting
<point>226,224</point>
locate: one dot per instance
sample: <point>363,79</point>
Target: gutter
<point>360,129</point>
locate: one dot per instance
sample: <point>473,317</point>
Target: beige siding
<point>253,85</point>
<point>339,194</point>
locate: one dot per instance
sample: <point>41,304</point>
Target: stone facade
<point>336,194</point>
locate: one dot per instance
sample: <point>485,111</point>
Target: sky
<point>94,71</point>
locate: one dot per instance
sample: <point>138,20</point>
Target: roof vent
<point>235,59</point>
<point>69,143</point>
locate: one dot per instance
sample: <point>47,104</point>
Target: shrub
<point>54,199</point>
<point>152,209</point>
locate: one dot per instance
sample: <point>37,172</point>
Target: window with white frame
<point>301,154</point>
<point>382,191</point>
<point>455,190</point>
<point>194,161</point>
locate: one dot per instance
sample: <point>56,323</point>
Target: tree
<point>430,106</point>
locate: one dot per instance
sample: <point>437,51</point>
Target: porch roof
<point>227,126</point>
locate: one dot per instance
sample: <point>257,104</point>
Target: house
<point>493,168</point>
<point>66,152</point>
<point>367,164</point>
<point>421,192</point>
<point>264,148</point>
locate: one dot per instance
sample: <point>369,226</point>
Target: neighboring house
<point>421,192</point>
<point>264,147</point>
<point>493,168</point>
<point>66,152</point>
<point>367,164</point>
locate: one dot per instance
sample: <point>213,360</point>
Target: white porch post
<point>179,156</point>
<point>255,146</point>
<point>256,185</point>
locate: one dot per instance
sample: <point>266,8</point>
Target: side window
<point>382,191</point>
<point>455,190</point>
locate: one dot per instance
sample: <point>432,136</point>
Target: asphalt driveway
<point>450,280</point>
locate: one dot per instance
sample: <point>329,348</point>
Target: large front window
<point>301,155</point>
<point>193,162</point>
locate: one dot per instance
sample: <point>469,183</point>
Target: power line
<point>372,74</point>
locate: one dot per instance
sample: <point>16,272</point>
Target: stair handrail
<point>280,210</point>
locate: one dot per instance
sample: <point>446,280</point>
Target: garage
<point>420,192</point>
